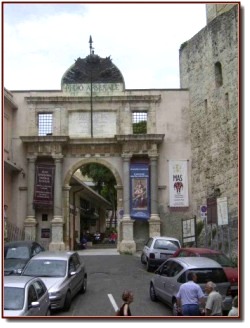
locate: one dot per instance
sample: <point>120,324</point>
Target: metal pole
<point>91,105</point>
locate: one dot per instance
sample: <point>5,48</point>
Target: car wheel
<point>143,259</point>
<point>148,265</point>
<point>152,293</point>
<point>67,301</point>
<point>84,285</point>
<point>175,309</point>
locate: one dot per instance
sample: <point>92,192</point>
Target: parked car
<point>18,253</point>
<point>63,273</point>
<point>25,296</point>
<point>168,278</point>
<point>157,250</point>
<point>230,269</point>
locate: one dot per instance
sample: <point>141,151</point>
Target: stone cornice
<point>101,99</point>
<point>43,139</point>
<point>154,138</point>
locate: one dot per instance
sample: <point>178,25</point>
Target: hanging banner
<point>178,184</point>
<point>139,191</point>
<point>44,186</point>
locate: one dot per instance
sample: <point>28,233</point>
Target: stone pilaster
<point>66,190</point>
<point>30,221</point>
<point>154,222</point>
<point>127,244</point>
<point>57,222</point>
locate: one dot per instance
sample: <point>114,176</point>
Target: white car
<point>63,273</point>
<point>157,250</point>
<point>25,296</point>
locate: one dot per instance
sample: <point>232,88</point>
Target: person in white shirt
<point>234,311</point>
<point>214,300</point>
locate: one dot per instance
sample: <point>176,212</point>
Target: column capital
<point>58,158</point>
<point>31,159</point>
<point>66,187</point>
<point>153,156</point>
<point>126,156</point>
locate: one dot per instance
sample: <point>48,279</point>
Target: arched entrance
<point>69,198</point>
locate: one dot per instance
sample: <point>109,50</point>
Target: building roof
<point>92,69</point>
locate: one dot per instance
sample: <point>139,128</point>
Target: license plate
<point>164,256</point>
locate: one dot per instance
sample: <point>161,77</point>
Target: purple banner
<point>44,186</point>
<point>139,191</point>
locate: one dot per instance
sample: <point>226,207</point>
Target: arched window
<point>218,74</point>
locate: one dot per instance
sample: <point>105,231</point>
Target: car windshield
<point>46,268</point>
<point>21,252</point>
<point>166,244</point>
<point>13,298</point>
<point>221,259</point>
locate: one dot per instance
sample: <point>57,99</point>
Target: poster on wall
<point>139,191</point>
<point>178,184</point>
<point>44,186</point>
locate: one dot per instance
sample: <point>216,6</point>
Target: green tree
<point>105,183</point>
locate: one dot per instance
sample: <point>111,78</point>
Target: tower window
<point>45,124</point>
<point>218,74</point>
<point>139,120</point>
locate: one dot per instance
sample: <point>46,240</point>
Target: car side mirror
<point>73,273</point>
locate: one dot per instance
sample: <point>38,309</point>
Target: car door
<point>172,285</point>
<point>147,247</point>
<point>162,280</point>
<point>31,297</point>
<point>75,276</point>
<point>43,297</point>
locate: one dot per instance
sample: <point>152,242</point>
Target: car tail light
<point>151,255</point>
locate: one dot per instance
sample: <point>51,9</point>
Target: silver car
<point>157,250</point>
<point>63,273</point>
<point>25,296</point>
<point>172,273</point>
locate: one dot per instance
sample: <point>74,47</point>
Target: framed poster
<point>178,184</point>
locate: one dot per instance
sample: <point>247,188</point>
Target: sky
<point>41,41</point>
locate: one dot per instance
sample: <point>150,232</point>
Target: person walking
<point>127,297</point>
<point>190,296</point>
<point>214,300</point>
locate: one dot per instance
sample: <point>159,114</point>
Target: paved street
<point>109,273</point>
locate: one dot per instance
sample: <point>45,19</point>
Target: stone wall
<point>214,110</point>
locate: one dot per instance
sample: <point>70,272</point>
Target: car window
<point>183,254</point>
<point>13,298</point>
<point>221,259</point>
<point>217,275</point>
<point>32,296</point>
<point>72,267</point>
<point>149,242</point>
<point>165,244</point>
<point>36,249</point>
<point>46,268</point>
<point>76,261</point>
<point>171,269</point>
<point>21,252</point>
<point>40,288</point>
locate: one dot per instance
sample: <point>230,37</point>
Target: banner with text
<point>44,186</point>
<point>178,184</point>
<point>139,191</point>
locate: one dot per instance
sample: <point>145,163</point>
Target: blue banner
<point>139,191</point>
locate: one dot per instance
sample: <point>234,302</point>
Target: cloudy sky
<point>41,41</point>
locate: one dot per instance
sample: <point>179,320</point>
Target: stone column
<point>154,222</point>
<point>57,222</point>
<point>30,221</point>
<point>127,244</point>
<point>66,190</point>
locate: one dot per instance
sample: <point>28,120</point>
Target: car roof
<point>53,255</point>
<point>163,237</point>
<point>17,281</point>
<point>196,262</point>
<point>19,243</point>
<point>200,250</point>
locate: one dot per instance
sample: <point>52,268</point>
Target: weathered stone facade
<point>214,111</point>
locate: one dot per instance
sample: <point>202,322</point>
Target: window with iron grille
<point>139,120</point>
<point>45,124</point>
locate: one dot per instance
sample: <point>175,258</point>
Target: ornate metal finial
<point>90,45</point>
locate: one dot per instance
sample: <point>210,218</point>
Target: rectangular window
<point>139,120</point>
<point>45,124</point>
